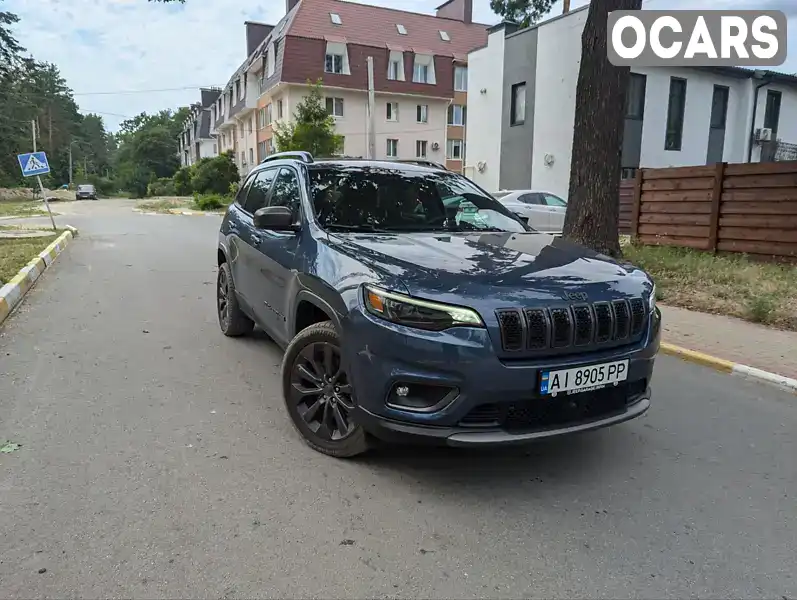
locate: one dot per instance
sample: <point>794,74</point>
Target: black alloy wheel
<point>232,320</point>
<point>319,395</point>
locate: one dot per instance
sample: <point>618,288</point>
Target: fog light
<point>421,397</point>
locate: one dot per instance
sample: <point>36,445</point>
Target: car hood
<point>491,269</point>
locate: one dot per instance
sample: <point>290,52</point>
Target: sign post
<point>34,164</point>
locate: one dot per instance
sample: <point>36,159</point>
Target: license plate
<point>583,379</point>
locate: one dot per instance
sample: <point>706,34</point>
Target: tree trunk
<point>594,200</point>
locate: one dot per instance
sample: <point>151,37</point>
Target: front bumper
<point>493,402</point>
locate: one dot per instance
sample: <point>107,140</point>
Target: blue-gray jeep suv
<point>412,306</point>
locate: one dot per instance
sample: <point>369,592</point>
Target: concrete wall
<point>520,65</point>
<point>558,61</point>
<point>483,135</point>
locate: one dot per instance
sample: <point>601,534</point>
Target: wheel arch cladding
<point>222,258</point>
<point>310,310</point>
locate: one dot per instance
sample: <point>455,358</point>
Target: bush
<point>182,181</point>
<point>214,175</point>
<point>162,187</point>
<point>211,201</point>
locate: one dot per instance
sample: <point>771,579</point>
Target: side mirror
<point>275,218</point>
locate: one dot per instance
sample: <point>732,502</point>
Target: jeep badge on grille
<point>576,296</point>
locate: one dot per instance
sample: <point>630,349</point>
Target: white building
<point>195,140</point>
<point>522,106</point>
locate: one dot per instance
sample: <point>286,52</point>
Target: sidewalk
<point>732,339</point>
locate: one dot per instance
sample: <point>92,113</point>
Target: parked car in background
<point>86,192</point>
<point>542,211</point>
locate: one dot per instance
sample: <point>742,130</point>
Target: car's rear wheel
<point>319,395</point>
<point>232,320</point>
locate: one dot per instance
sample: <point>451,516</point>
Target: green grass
<point>722,284</point>
<point>21,209</point>
<point>16,253</point>
<point>210,202</point>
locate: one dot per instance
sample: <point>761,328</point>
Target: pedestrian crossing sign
<point>33,163</point>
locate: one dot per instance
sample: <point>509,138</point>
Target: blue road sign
<point>33,163</point>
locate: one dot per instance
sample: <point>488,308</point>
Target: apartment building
<point>419,73</point>
<point>522,110</point>
<point>195,140</point>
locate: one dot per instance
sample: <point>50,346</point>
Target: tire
<point>314,414</point>
<point>232,320</point>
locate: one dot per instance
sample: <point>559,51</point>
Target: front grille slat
<point>637,316</point>
<point>538,328</point>
<point>511,330</point>
<point>622,319</point>
<point>559,329</point>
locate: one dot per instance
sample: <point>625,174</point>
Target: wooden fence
<point>750,208</point>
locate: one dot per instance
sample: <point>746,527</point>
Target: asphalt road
<point>157,461</point>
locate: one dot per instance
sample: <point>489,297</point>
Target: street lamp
<point>765,77</point>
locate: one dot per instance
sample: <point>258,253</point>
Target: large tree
<point>594,195</point>
<point>312,129</point>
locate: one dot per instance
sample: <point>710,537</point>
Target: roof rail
<point>421,162</point>
<point>305,157</point>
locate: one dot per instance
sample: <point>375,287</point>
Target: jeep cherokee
<point>412,306</point>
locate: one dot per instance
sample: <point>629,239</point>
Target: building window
<point>251,156</point>
<point>460,79</point>
<point>243,158</point>
<point>341,150</point>
<point>215,149</point>
<point>420,148</point>
<point>335,18</point>
<point>422,113</point>
<point>675,114</point>
<point>279,109</point>
<point>635,97</point>
<point>395,65</point>
<point>238,93</point>
<point>423,69</point>
<point>242,131</point>
<point>401,29</point>
<point>457,114</point>
<point>392,148</point>
<point>518,107</point>
<point>454,149</point>
<point>261,150</point>
<point>269,114</point>
<point>392,111</point>
<point>444,36</point>
<point>334,64</point>
<point>261,118</point>
<point>335,107</point>
<point>271,60</point>
<point>719,107</point>
<point>772,112</point>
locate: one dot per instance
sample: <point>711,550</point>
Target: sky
<point>104,47</point>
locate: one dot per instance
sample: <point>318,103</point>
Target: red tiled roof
<point>376,26</point>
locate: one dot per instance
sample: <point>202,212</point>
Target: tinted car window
<point>530,199</point>
<point>391,199</point>
<point>258,190</point>
<point>85,188</point>
<point>551,200</point>
<point>286,190</point>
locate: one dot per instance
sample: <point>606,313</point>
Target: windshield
<point>499,195</point>
<point>85,188</point>
<point>367,198</point>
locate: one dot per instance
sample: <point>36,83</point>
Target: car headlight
<point>414,312</point>
<point>652,299</point>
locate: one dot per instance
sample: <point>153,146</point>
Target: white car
<point>542,211</point>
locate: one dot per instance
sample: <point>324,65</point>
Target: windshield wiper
<point>363,228</point>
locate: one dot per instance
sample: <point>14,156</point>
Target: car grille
<point>552,412</point>
<point>573,327</point>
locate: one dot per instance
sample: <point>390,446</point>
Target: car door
<point>236,233</point>
<point>557,207</point>
<point>534,210</point>
<point>277,255</point>
<point>248,258</point>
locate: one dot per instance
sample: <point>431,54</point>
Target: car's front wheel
<point>319,395</point>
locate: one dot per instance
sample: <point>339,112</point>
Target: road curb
<point>12,293</point>
<point>785,383</point>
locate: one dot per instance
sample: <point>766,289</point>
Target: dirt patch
<point>727,285</point>
<point>164,204</point>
